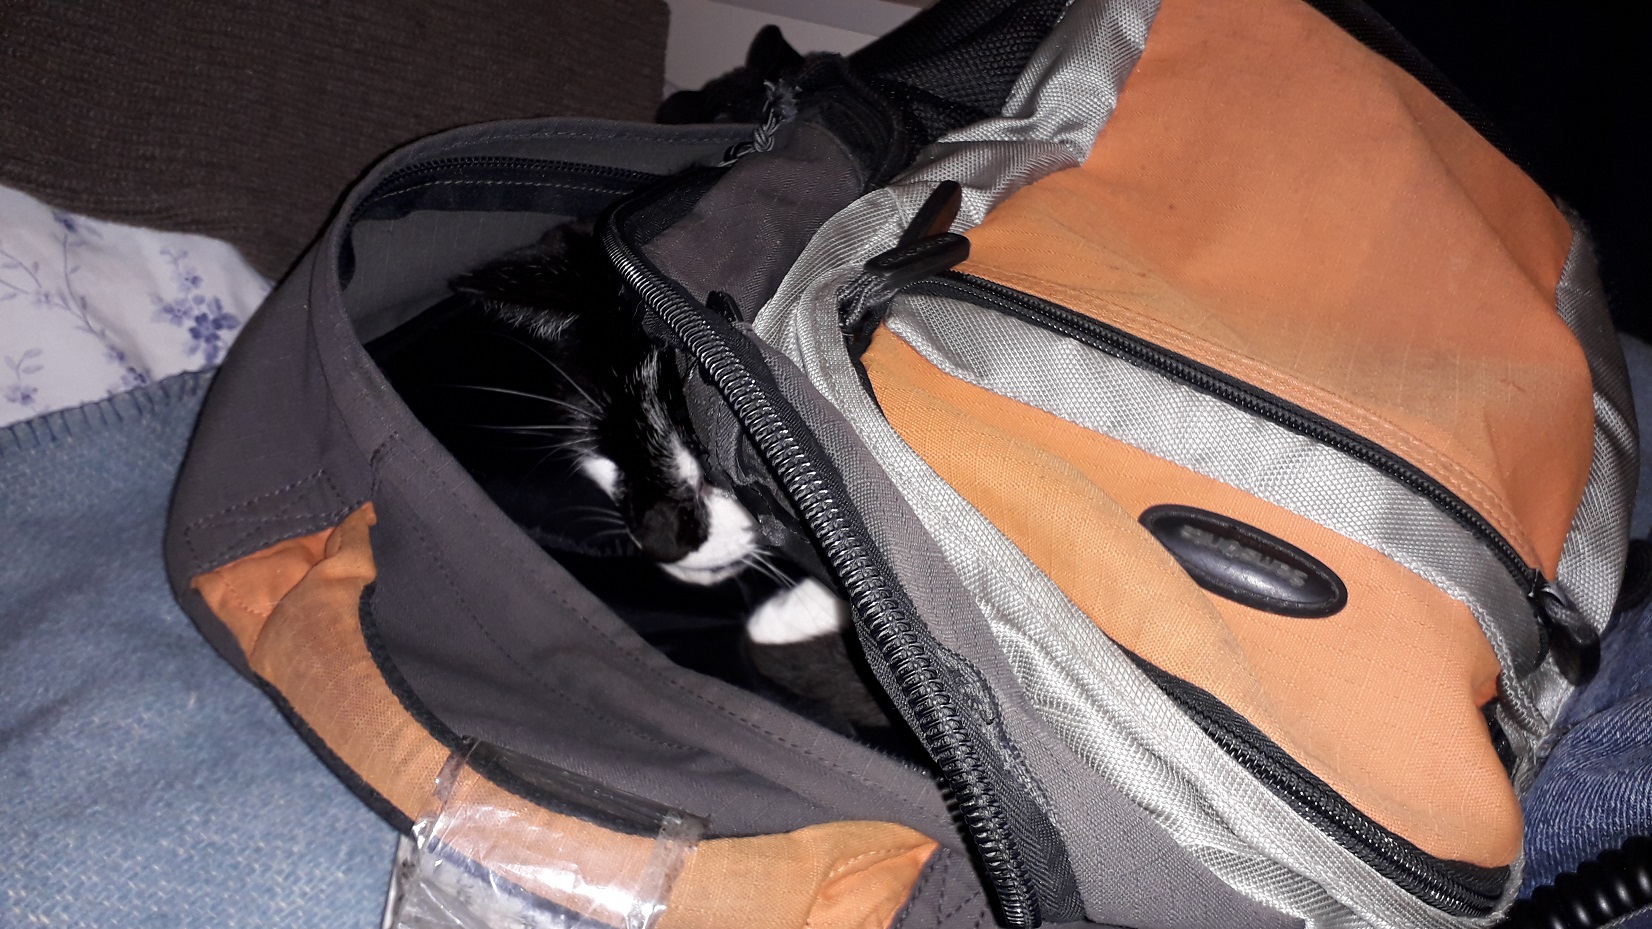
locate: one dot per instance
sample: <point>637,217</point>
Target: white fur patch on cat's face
<point>603,471</point>
<point>807,611</point>
<point>686,465</point>
<point>731,537</point>
<point>731,540</point>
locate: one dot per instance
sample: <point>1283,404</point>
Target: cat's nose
<point>667,532</point>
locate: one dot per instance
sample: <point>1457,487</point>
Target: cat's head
<point>614,399</point>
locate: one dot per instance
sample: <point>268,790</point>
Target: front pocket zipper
<point>1453,887</point>
<point>1253,400</point>
<point>1561,631</point>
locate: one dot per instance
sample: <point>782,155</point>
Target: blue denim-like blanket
<point>142,782</point>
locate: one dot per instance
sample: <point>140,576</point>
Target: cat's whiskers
<point>599,515</point>
<point>576,409</point>
<point>534,430</point>
<point>760,560</point>
<point>554,367</point>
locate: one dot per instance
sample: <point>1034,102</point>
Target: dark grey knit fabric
<point>247,119</point>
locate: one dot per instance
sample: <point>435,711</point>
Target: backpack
<point>1221,443</point>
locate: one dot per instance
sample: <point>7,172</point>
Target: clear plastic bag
<point>511,841</point>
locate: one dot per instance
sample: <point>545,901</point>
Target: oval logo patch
<point>1246,565</point>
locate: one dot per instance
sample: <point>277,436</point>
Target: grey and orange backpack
<point>1222,445</point>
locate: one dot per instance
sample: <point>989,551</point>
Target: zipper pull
<point>925,248</point>
<point>1573,642</point>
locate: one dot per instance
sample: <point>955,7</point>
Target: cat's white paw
<point>804,612</point>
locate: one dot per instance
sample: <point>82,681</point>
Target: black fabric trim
<point>955,63</point>
<point>398,684</point>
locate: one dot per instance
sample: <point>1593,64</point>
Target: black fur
<point>541,358</point>
<point>611,391</point>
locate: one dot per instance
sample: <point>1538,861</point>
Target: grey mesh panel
<point>1052,116</point>
<point>1199,432</point>
<point>1591,563</point>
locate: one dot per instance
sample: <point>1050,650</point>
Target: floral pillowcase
<point>91,308</point>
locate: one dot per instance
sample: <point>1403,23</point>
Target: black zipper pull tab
<point>925,248</point>
<point>724,305</point>
<point>935,216</point>
<point>1573,642</point>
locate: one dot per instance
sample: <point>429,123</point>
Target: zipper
<point>1450,886</point>
<point>515,168</point>
<point>1121,344</point>
<point>504,163</point>
<point>1453,887</point>
<point>823,503</point>
<point>1562,630</point>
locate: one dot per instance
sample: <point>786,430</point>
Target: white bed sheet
<point>90,308</point>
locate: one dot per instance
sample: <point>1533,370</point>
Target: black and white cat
<point>612,398</point>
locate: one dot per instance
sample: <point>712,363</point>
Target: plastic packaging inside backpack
<point>1222,535</point>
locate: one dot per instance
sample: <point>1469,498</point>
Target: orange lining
<point>294,609</point>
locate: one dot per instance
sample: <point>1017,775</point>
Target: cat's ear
<point>546,287</point>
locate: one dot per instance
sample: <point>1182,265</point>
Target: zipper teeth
<point>502,162</point>
<point>508,163</point>
<point>1427,882</point>
<point>1114,341</point>
<point>1417,877</point>
<point>940,726</point>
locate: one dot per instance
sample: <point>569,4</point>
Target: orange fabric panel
<point>1274,200</point>
<point>299,625</point>
<point>295,609</point>
<point>243,595</point>
<point>846,875</point>
<point>1381,700</point>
